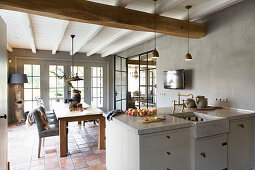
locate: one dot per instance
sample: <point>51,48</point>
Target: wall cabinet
<point>210,153</point>
<point>240,144</point>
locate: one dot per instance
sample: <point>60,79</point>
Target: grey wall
<point>223,62</point>
<point>21,56</point>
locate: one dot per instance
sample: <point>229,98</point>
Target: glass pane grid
<point>97,86</point>
<point>32,88</point>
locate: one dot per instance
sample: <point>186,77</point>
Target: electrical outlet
<point>223,100</point>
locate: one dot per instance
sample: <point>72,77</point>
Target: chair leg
<point>43,141</point>
<point>84,123</point>
<point>39,147</point>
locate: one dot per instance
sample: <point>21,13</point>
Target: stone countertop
<point>172,122</point>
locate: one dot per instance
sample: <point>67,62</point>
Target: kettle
<point>201,102</point>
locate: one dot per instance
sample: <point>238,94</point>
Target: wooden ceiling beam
<point>60,36</point>
<point>30,32</point>
<point>9,47</point>
<point>95,13</point>
<point>122,3</point>
<point>165,5</point>
<point>109,41</point>
<point>139,39</point>
<point>88,36</point>
<point>209,7</point>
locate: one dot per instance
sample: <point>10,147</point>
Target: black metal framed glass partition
<point>142,81</point>
<point>120,83</point>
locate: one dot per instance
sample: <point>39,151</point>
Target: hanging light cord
<point>72,57</point>
<point>155,18</point>
<point>188,30</point>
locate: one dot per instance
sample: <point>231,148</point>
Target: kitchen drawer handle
<point>168,137</point>
<point>241,125</point>
<point>203,154</point>
<point>168,153</point>
<point>168,169</point>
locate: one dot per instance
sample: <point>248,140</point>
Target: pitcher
<point>201,102</point>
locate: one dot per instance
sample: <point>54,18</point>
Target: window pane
<point>60,70</point>
<point>27,94</point>
<point>52,82</point>
<point>36,70</point>
<point>36,93</point>
<point>52,93</point>
<point>60,93</point>
<point>28,69</point>
<point>36,82</point>
<point>28,105</point>
<point>52,70</point>
<point>80,71</point>
<point>29,84</point>
<point>81,83</point>
<point>60,82</point>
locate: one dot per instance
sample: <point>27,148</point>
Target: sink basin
<point>195,117</point>
<point>204,125</point>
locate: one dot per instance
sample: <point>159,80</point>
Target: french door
<point>120,83</point>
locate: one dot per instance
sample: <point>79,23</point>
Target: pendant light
<point>155,53</point>
<point>188,57</point>
<point>72,77</point>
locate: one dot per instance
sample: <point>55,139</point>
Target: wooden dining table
<point>64,115</point>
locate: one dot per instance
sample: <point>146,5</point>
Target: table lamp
<point>17,80</point>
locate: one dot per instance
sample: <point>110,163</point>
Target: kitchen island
<point>223,141</point>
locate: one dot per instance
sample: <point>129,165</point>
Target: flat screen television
<point>174,79</point>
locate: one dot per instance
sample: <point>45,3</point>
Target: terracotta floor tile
<point>94,162</point>
<point>98,167</point>
<point>82,146</point>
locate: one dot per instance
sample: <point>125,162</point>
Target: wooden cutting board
<point>152,120</point>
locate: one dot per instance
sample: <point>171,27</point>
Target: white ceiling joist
<point>89,36</point>
<point>210,7</point>
<point>60,36</point>
<point>109,41</point>
<point>30,32</point>
<point>122,3</point>
<point>9,47</point>
<point>134,41</point>
<point>165,5</point>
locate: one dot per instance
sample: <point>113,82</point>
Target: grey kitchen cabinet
<point>240,144</point>
<point>209,153</point>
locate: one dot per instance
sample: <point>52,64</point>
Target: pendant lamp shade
<point>72,77</point>
<point>188,56</point>
<point>17,79</point>
<point>155,53</point>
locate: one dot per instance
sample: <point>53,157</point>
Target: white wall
<point>223,62</point>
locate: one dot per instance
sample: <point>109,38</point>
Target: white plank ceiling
<point>42,33</point>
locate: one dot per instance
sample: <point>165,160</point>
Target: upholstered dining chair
<point>53,129</point>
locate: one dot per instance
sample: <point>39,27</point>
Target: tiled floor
<point>82,146</point>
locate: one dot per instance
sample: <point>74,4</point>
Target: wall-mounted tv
<point>174,79</point>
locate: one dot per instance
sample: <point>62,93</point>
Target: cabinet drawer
<point>241,144</point>
<point>177,159</point>
<point>165,140</point>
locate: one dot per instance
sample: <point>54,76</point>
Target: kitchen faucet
<point>179,101</point>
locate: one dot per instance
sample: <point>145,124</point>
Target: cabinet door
<point>211,153</point>
<point>240,144</point>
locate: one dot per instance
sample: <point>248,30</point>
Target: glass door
<point>120,83</point>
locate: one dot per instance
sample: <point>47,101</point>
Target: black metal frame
<point>121,85</point>
<point>147,79</point>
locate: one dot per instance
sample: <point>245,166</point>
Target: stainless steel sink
<point>204,125</point>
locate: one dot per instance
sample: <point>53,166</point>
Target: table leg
<point>62,138</point>
<point>101,136</point>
